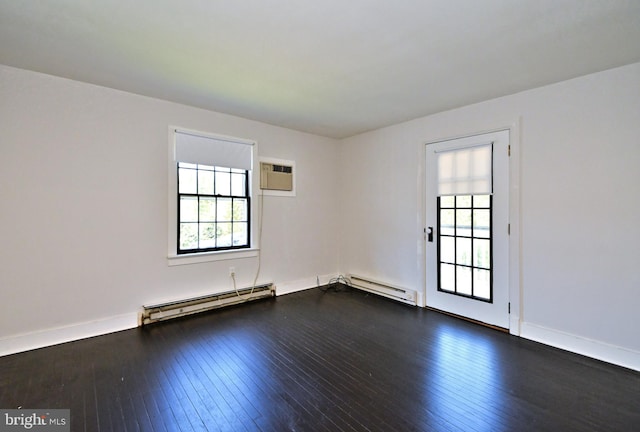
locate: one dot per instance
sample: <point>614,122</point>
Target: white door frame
<point>515,284</point>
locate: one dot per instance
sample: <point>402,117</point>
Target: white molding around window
<point>190,142</point>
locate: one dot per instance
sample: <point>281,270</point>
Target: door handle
<point>429,234</point>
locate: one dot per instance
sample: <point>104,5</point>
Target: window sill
<point>174,260</point>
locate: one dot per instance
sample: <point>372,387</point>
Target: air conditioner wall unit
<point>276,177</point>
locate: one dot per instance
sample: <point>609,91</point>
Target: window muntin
<point>213,208</point>
<point>464,246</point>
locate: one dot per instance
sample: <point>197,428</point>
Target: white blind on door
<point>205,150</point>
<point>465,171</point>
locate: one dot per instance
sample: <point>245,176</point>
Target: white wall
<point>83,198</point>
<point>579,170</point>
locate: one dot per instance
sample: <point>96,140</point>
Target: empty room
<point>320,216</point>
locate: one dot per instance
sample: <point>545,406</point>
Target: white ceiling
<point>330,67</point>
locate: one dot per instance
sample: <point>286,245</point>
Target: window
<point>465,188</point>
<point>211,188</point>
<point>213,208</point>
<point>464,246</point>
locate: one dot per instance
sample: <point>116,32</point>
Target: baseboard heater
<point>165,311</point>
<point>400,294</point>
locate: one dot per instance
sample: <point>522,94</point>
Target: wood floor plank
<point>321,361</point>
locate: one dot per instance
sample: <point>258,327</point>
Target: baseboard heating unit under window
<point>165,311</point>
<point>401,294</point>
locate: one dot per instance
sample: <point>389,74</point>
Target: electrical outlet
<point>232,271</point>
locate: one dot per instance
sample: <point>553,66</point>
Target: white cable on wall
<point>255,279</point>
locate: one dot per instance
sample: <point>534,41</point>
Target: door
<point>467,210</point>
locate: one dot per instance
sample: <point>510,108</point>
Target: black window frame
<point>246,196</point>
<point>472,238</point>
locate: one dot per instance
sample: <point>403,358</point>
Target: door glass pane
<point>481,253</point>
<point>482,283</point>
<point>481,201</point>
<point>447,201</point>
<point>481,223</point>
<point>447,277</point>
<point>463,280</point>
<point>447,222</point>
<point>463,251</point>
<point>463,201</point>
<point>463,223</point>
<point>447,250</point>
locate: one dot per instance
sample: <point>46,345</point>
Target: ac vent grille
<point>282,169</point>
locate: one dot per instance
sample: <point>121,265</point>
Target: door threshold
<point>471,320</point>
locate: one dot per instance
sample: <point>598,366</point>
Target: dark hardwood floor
<point>321,361</point>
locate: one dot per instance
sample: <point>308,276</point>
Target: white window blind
<point>465,171</point>
<point>205,150</point>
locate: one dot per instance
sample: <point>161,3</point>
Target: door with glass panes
<point>467,209</point>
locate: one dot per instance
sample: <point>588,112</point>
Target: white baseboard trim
<point>592,348</point>
<point>55,336</point>
<point>302,284</point>
<point>580,345</point>
<point>44,338</point>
